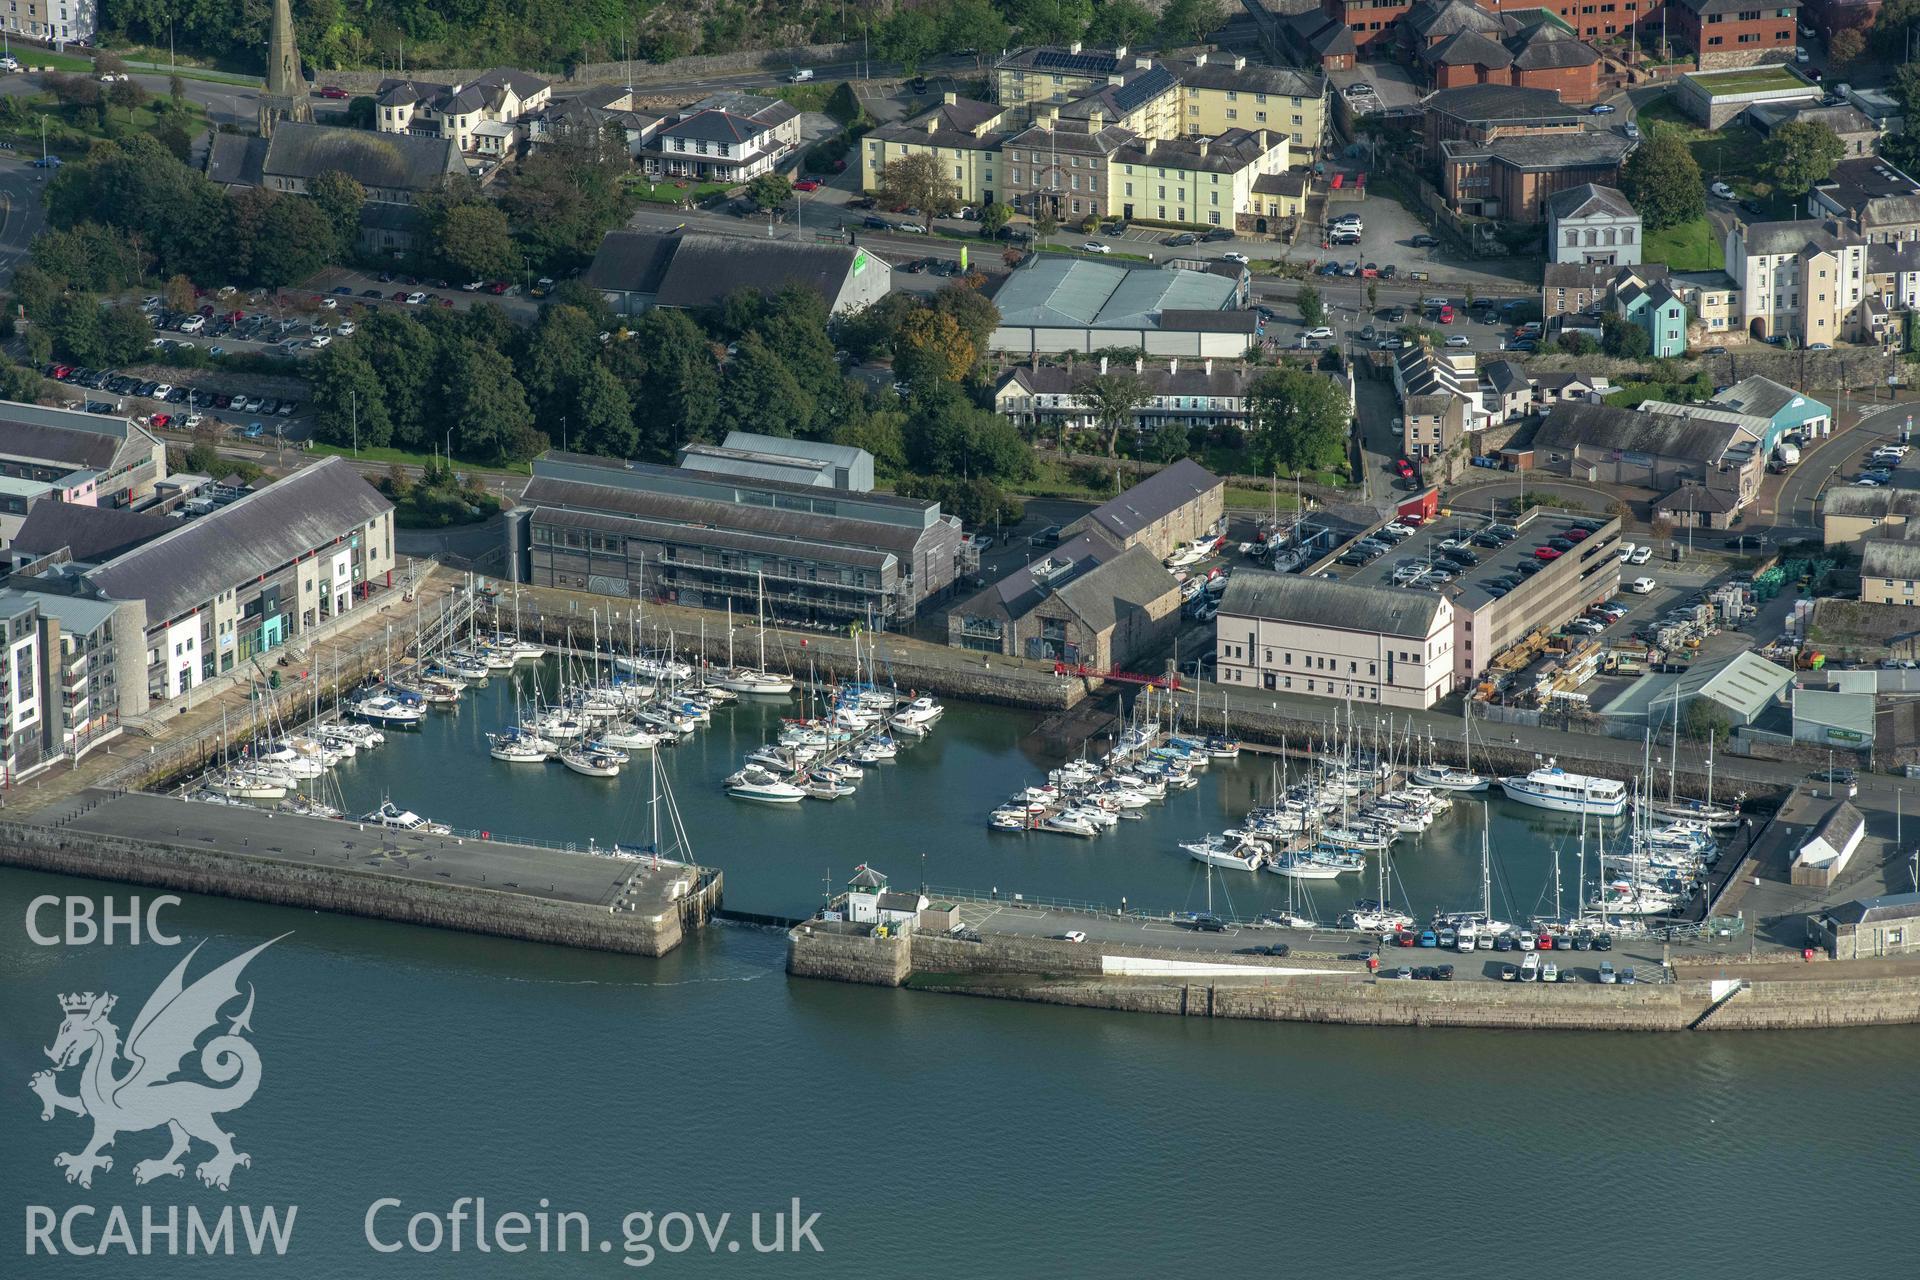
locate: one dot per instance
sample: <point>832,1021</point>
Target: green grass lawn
<point>68,138</point>
<point>672,193</point>
<point>1747,80</point>
<point>41,60</point>
<point>367,454</point>
<point>1690,246</point>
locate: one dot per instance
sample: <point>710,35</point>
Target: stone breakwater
<point>1049,972</point>
<point>653,928</point>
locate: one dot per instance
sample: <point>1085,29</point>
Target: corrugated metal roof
<point>1075,293</point>
<point>187,567</point>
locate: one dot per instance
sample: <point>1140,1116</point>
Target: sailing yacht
<point>755,682</point>
<point>388,712</point>
<point>593,761</point>
<point>516,746</point>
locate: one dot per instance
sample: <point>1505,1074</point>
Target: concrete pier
<point>569,897</point>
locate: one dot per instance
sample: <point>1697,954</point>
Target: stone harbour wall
<point>359,892</point>
<point>817,951</point>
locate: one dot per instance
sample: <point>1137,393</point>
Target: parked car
<point>1602,109</point>
<point>1642,586</point>
<point>1181,241</point>
<point>1094,246</point>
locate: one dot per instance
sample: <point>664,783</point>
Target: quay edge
<point>475,886</point>
<point>1047,971</point>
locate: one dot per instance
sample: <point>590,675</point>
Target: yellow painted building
<point>962,133</point>
<point>1221,91</point>
<point>1207,180</point>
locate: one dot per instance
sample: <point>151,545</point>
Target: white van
<point>1530,967</point>
<point>800,77</point>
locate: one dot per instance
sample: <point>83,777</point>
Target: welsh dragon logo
<point>145,1095</point>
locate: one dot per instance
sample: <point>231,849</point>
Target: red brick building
<point>1730,32</point>
<point>1542,56</point>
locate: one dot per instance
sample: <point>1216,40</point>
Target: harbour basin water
<point>923,818</point>
<point>942,1135</point>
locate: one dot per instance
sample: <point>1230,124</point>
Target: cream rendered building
<point>962,133</point>
<point>1803,279</point>
<point>1206,180</point>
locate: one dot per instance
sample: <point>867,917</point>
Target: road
<point>21,214</point>
<point>1797,510</point>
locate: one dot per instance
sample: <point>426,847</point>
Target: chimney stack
<point>949,98</point>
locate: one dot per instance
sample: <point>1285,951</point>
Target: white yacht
<point>629,736</point>
<point>248,784</point>
<point>1447,778</point>
<point>389,712</point>
<point>592,761</point>
<point>755,783</point>
<point>517,747</point>
<point>1072,823</point>
<point>1552,787</point>
<point>1220,851</point>
<point>1303,868</point>
<point>755,684</point>
<point>394,818</point>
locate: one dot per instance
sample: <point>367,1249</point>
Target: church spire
<point>287,96</point>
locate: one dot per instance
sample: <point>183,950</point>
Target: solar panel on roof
<point>1055,60</point>
<point>1143,89</point>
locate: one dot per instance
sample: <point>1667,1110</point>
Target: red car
<point>160,420</point>
<point>447,302</point>
<point>1446,315</point>
<point>62,372</point>
<point>498,286</point>
<point>807,184</point>
<point>332,91</point>
<point>399,295</point>
<point>1404,467</point>
<point>1404,938</point>
<point>1544,942</point>
<point>1545,553</point>
<point>1576,535</point>
<point>235,317</point>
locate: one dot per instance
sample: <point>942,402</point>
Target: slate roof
<point>1500,102</point>
<point>715,126</point>
<point>1571,150</point>
<point>951,124</point>
<point>688,510</point>
<point>65,437</point>
<point>1155,498</point>
<point>234,160</point>
<point>631,262</point>
<point>1218,72</point>
<point>1889,558</point>
<point>188,566</point>
<point>391,161</point>
<point>1792,237</point>
<point>1602,426</point>
<point>1191,379</point>
<point>92,534</point>
<point>1189,320</point>
<point>1230,152</point>
<point>1125,584</point>
<point>1760,397</point>
<point>1436,18</point>
<point>1859,500</point>
<point>1888,906</point>
<point>1321,602</point>
<point>1547,46</point>
<point>1885,257</point>
<point>1291,183</point>
<point>1017,592</point>
<point>1505,376</point>
<point>1467,49</point>
<point>705,269</point>
<point>1324,35</point>
<point>1590,199</point>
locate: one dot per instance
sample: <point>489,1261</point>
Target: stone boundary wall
<point>357,892</point>
<point>698,67</point>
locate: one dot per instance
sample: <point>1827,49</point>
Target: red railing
<point>1082,671</point>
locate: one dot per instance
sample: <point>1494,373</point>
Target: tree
<point>487,405</point>
<point>1298,421</point>
<point>1663,181</point>
<point>605,415</point>
<point>882,434</point>
<point>1802,153</point>
<point>1845,47</point>
<point>1705,719</point>
<point>1623,338</point>
<point>869,333</point>
<point>1050,21</point>
<point>1189,21</point>
<point>668,370</point>
<point>1577,344</point>
<point>295,240</point>
<point>907,38</point>
<point>1312,310</point>
<point>1111,398</point>
<point>341,199</point>
<point>563,198</point>
<point>178,294</point>
<point>1121,22</point>
<point>972,310</point>
<point>1373,294</point>
<point>473,241</point>
<point>126,95</point>
<point>406,357</point>
<point>976,501</point>
<point>770,191</point>
<point>1170,442</point>
<point>1045,224</point>
<point>994,217</point>
<point>560,349</point>
<point>124,334</point>
<point>349,403</point>
<point>177,92</point>
<point>76,329</point>
<point>1890,31</point>
<point>972,25</point>
<point>931,347</point>
<point>920,182</point>
<point>761,394</point>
